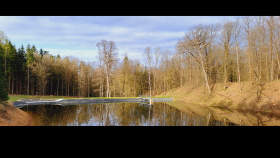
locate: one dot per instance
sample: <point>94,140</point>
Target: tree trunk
<point>225,67</point>
<point>150,84</point>
<point>57,85</point>
<point>62,88</point>
<point>191,70</point>
<point>9,90</point>
<point>108,85</point>
<point>100,89</point>
<point>154,86</point>
<point>88,86</point>
<point>28,82</point>
<point>51,88</point>
<point>20,86</point>
<point>271,68</point>
<point>164,87</point>
<point>13,82</point>
<point>5,64</point>
<point>238,68</point>
<point>278,64</point>
<point>68,88</point>
<point>204,73</point>
<point>73,89</point>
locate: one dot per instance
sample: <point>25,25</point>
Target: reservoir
<point>118,114</point>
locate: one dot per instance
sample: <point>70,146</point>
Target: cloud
<point>78,35</point>
<point>82,54</point>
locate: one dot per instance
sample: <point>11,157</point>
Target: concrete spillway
<point>63,102</point>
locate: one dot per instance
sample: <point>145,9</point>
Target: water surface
<point>117,114</point>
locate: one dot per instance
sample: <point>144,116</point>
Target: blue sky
<point>77,35</point>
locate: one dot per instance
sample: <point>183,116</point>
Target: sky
<point>78,35</point>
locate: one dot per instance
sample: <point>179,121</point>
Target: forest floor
<point>267,99</point>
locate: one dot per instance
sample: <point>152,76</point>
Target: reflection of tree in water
<point>131,114</point>
<point>120,114</point>
<point>160,114</point>
<point>51,115</point>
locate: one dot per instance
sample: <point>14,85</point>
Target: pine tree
<point>11,64</point>
<point>41,52</point>
<point>3,88</point>
<point>30,58</point>
<point>2,58</point>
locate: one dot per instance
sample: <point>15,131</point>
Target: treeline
<point>32,72</point>
<point>246,49</point>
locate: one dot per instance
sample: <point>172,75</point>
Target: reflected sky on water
<point>119,114</point>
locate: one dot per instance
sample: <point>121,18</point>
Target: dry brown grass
<point>12,116</point>
<point>238,107</point>
<point>231,97</point>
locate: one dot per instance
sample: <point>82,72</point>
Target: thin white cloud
<point>82,54</point>
<point>77,36</point>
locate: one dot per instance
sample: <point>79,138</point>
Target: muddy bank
<point>12,116</point>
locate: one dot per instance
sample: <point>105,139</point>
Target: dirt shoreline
<point>13,116</point>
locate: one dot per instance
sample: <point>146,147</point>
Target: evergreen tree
<point>41,52</point>
<point>30,59</point>
<point>3,88</point>
<point>2,59</point>
<point>21,69</point>
<point>11,64</point>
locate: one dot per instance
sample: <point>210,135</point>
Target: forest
<point>244,50</point>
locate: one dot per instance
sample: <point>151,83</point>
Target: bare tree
<point>197,42</point>
<point>147,55</point>
<point>236,37</point>
<point>57,68</point>
<point>227,32</point>
<point>277,43</point>
<point>247,26</point>
<point>100,75</point>
<point>165,63</point>
<point>157,60</point>
<point>109,56</point>
<point>40,67</point>
<point>271,25</point>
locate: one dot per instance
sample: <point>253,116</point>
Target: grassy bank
<point>18,97</point>
<point>267,99</point>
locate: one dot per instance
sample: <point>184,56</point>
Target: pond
<point>118,114</point>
